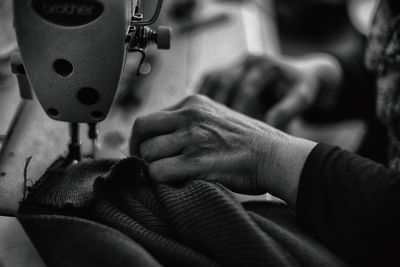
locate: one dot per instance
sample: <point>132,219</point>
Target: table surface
<point>175,74</point>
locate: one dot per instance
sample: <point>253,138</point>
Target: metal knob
<point>164,37</point>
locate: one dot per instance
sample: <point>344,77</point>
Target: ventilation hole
<point>88,96</point>
<point>3,174</point>
<point>97,114</point>
<point>63,67</point>
<point>53,112</point>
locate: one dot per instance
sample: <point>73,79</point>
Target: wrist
<point>281,172</point>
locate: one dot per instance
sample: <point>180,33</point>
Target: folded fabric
<point>105,213</point>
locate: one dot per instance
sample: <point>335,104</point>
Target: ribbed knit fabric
<point>70,241</point>
<point>196,223</point>
<point>60,190</point>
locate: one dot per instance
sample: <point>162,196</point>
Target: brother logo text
<point>68,12</point>
<point>67,9</point>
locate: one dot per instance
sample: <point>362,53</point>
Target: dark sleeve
<point>351,205</point>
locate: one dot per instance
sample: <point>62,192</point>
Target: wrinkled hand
<point>201,139</point>
<point>271,90</point>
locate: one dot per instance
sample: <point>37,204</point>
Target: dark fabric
<point>191,224</point>
<point>68,241</point>
<point>64,190</point>
<point>351,205</point>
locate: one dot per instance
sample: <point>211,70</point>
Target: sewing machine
<point>72,53</point>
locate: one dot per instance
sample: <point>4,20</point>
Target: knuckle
<point>195,99</point>
<point>190,99</point>
<point>193,114</point>
<point>201,98</point>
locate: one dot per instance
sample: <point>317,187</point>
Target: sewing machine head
<point>73,51</point>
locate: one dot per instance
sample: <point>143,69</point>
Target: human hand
<point>201,139</point>
<point>275,90</point>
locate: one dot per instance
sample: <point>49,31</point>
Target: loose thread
<point>25,186</point>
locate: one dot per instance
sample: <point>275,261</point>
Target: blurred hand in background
<point>274,90</point>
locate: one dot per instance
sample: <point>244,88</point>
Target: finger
<point>173,170</point>
<point>215,84</point>
<point>163,146</point>
<point>291,106</point>
<point>223,88</point>
<point>236,85</point>
<point>218,85</point>
<point>151,125</point>
<point>188,101</point>
<point>249,90</point>
<point>258,75</point>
